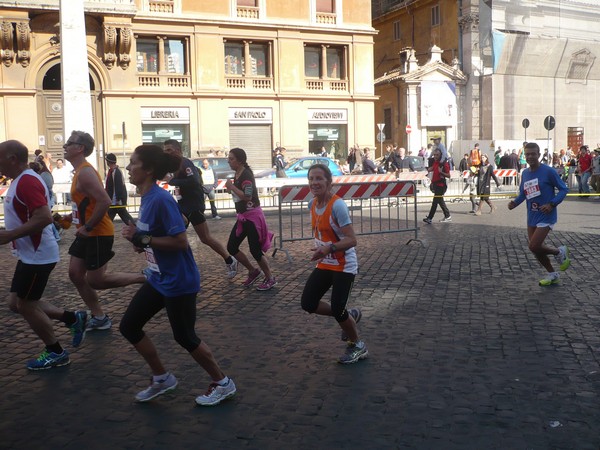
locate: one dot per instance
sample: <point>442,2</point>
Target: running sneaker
<point>446,219</point>
<point>356,315</point>
<point>232,268</point>
<point>99,324</point>
<point>157,388</point>
<point>354,352</point>
<point>563,257</point>
<point>217,217</point>
<point>427,220</point>
<point>252,277</point>
<point>266,284</point>
<point>48,360</point>
<point>216,394</point>
<point>551,278</point>
<point>78,329</point>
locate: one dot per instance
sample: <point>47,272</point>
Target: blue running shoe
<point>48,360</point>
<point>78,329</point>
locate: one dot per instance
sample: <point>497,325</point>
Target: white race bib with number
<point>532,189</point>
<point>75,211</point>
<point>327,259</point>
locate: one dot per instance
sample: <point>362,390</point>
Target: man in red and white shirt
<point>28,227</point>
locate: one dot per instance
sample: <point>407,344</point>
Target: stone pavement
<point>466,352</point>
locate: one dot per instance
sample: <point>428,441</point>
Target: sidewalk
<point>466,351</point>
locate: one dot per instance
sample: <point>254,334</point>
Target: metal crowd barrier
<point>375,208</point>
<point>458,189</point>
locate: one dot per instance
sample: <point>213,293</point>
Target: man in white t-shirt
<point>29,228</point>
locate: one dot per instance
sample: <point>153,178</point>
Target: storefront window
<point>158,133</point>
<point>329,136</point>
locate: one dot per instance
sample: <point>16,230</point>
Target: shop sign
<point>165,115</point>
<point>327,116</point>
<point>250,115</point>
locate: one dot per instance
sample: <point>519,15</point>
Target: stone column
<point>77,107</point>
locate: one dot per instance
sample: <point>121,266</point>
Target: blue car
<point>298,168</point>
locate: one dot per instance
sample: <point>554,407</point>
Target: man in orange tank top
<point>92,248</point>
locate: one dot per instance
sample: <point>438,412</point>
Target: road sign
<point>549,123</point>
<point>380,137</point>
<point>380,126</point>
<point>408,129</point>
<point>525,123</point>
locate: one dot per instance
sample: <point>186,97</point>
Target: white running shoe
<point>216,394</point>
<point>232,268</point>
<point>563,257</point>
<point>157,388</point>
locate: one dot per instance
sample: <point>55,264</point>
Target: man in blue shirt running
<point>539,186</point>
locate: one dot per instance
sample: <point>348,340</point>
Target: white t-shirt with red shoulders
<point>26,193</point>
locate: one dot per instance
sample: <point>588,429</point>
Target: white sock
<point>224,381</point>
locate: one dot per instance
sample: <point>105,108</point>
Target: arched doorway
<point>50,113</point>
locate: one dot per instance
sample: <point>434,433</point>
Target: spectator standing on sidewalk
<point>250,222</point>
<point>337,264</point>
<point>28,226</point>
<point>116,190</point>
<point>190,198</point>
<point>486,174</point>
<point>595,178</point>
<point>539,186</point>
<point>440,171</point>
<point>92,248</point>
<point>173,280</point>
<point>62,177</point>
<point>209,184</point>
<point>585,169</point>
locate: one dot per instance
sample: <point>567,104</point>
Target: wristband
<point>332,248</point>
<point>88,228</point>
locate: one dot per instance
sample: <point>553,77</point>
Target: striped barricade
<point>375,208</point>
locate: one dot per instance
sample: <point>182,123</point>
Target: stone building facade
<point>212,74</point>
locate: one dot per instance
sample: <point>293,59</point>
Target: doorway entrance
<point>50,111</point>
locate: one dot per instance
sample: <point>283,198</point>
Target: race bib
<point>329,259</point>
<point>151,260</point>
<point>75,212</point>
<point>532,189</point>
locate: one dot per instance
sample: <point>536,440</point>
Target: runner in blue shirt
<point>172,282</point>
<point>539,186</point>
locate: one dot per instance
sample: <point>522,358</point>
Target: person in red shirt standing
<point>585,169</point>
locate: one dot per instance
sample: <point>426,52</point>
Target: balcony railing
<point>161,6</point>
<point>327,85</point>
<point>326,18</point>
<point>164,81</point>
<point>250,83</point>
<point>248,12</point>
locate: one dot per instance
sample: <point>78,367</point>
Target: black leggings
<point>249,231</point>
<point>147,302</point>
<point>438,199</point>
<point>318,284</point>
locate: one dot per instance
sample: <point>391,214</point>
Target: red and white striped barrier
<point>350,191</point>
<point>498,173</point>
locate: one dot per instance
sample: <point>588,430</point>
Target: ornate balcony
<point>169,81</point>
<point>248,12</point>
<point>327,85</point>
<point>326,18</point>
<point>253,84</point>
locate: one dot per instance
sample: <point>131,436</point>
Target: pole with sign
<point>549,124</point>
<point>381,137</point>
<point>525,124</point>
<point>408,131</point>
